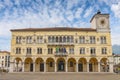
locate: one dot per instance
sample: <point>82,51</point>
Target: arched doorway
<point>61,64</point>
<point>28,65</point>
<point>18,65</point>
<point>39,65</point>
<point>82,65</point>
<point>71,65</point>
<point>93,65</point>
<point>104,66</point>
<point>50,65</point>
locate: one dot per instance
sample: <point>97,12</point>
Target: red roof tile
<point>55,29</point>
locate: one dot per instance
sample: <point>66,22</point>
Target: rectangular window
<point>82,50</point>
<point>18,39</point>
<point>92,51</point>
<point>49,39</point>
<point>92,40</point>
<point>39,39</point>
<point>29,39</point>
<point>81,39</point>
<point>18,50</point>
<point>50,50</point>
<point>104,50</point>
<point>39,50</point>
<point>71,50</point>
<point>28,51</point>
<point>103,39</point>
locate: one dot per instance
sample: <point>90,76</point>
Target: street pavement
<point>59,76</point>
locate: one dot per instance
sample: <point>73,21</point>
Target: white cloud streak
<point>116,9</point>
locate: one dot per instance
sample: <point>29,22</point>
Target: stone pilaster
<point>23,66</point>
<point>55,67</point>
<point>44,66</point>
<point>87,66</point>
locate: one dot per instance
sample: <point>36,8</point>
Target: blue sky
<point>54,13</point>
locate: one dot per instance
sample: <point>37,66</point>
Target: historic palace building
<point>63,49</point>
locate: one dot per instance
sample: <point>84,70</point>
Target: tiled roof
<point>55,29</point>
<point>4,52</point>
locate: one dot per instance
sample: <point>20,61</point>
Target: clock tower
<point>100,22</point>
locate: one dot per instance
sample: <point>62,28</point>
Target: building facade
<point>4,60</point>
<point>63,49</point>
<point>116,59</point>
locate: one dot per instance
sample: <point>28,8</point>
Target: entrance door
<point>31,67</point>
<point>61,66</point>
<point>90,67</point>
<point>80,67</point>
<point>41,67</point>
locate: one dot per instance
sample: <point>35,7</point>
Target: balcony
<point>60,43</point>
<point>61,54</point>
<point>28,55</point>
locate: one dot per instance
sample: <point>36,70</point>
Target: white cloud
<point>109,2</point>
<point>116,9</point>
<point>88,12</point>
<point>78,12</point>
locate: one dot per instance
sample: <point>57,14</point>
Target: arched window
<point>64,39</point>
<point>60,39</point>
<point>82,39</point>
<point>49,39</point>
<point>53,39</point>
<point>56,39</point>
<point>68,39</point>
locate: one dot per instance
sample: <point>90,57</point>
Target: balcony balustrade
<point>61,54</point>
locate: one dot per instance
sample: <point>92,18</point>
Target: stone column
<point>23,67</point>
<point>66,67</point>
<point>44,66</point>
<point>77,66</point>
<point>55,67</point>
<point>98,66</point>
<point>33,66</point>
<point>87,66</point>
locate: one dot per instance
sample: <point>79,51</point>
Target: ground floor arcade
<point>61,64</point>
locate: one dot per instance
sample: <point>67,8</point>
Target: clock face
<point>102,22</point>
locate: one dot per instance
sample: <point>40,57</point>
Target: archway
<point>39,65</point>
<point>104,66</point>
<point>61,64</point>
<point>71,65</point>
<point>18,64</point>
<point>82,65</point>
<point>50,65</point>
<point>28,65</point>
<point>93,65</point>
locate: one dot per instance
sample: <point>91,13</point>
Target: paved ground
<point>59,76</point>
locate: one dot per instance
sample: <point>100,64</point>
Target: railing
<point>61,54</point>
<point>60,43</point>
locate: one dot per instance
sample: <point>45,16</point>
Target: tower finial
<point>98,12</point>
